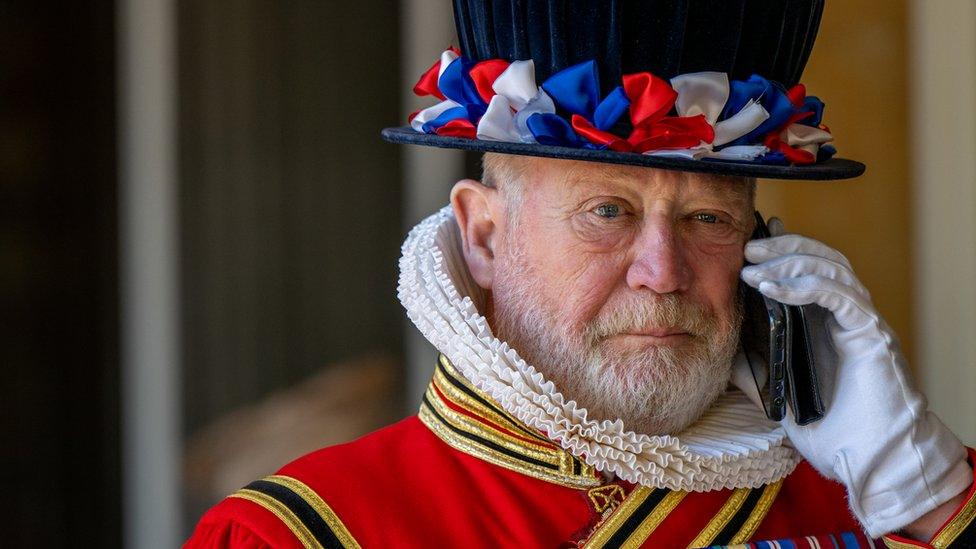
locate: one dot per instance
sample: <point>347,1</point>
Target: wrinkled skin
<point>596,240</point>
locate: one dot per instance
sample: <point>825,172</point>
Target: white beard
<point>732,445</point>
<point>653,390</point>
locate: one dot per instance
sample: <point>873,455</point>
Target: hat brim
<point>832,169</point>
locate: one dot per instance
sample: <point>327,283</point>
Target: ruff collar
<point>733,445</point>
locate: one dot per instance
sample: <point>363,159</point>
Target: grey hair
<point>506,173</point>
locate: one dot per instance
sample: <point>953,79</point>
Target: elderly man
<point>586,297</point>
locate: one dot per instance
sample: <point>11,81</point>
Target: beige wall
<point>858,68</point>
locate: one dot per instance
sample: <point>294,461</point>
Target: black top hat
<point>679,80</point>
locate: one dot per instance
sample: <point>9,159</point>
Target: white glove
<point>897,460</point>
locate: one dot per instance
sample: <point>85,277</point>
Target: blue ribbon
<point>576,89</point>
<point>613,106</point>
<point>454,113</point>
<point>816,106</point>
<point>769,94</point>
<point>456,84</point>
<point>552,129</point>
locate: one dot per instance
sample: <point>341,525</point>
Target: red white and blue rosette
<point>695,116</point>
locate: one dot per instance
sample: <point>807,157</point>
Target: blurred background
<point>199,230</point>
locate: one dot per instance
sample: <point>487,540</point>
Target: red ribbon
<point>597,136</point>
<point>484,74</point>
<point>459,127</point>
<point>427,83</point>
<point>797,94</point>
<point>794,155</point>
<point>651,98</point>
<point>672,132</point>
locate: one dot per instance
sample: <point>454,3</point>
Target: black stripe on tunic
<point>301,509</point>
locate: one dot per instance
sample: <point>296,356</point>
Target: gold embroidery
<point>283,513</point>
<point>321,507</point>
<point>471,425</point>
<point>758,513</point>
<point>721,519</point>
<point>606,497</point>
<point>494,440</point>
<point>895,544</point>
<point>493,413</point>
<point>960,522</point>
<point>609,526</point>
<point>481,451</point>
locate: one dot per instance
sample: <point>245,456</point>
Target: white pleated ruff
<point>733,445</point>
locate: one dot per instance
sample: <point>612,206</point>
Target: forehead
<point>571,177</point>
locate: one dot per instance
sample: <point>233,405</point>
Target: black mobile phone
<point>803,387</point>
<point>776,342</point>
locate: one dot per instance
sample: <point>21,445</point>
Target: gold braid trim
<point>321,507</point>
<point>547,454</point>
<point>283,513</point>
<point>439,426</point>
<point>770,491</point>
<point>503,435</point>
<point>721,519</point>
<point>654,519</point>
<point>956,526</point>
<point>606,529</point>
<point>895,544</point>
<point>494,413</point>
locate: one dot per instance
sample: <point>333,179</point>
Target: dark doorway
<point>58,263</point>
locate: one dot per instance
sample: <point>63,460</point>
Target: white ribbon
<point>498,122</point>
<point>431,113</point>
<point>749,118</point>
<point>447,57</point>
<point>701,93</point>
<point>739,152</point>
<point>540,103</point>
<point>805,137</point>
<point>517,84</point>
<point>801,135</point>
<point>516,89</point>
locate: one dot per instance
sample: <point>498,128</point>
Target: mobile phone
<point>767,336</point>
<point>776,342</point>
<point>803,387</point>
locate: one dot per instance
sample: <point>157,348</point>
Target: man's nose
<point>659,262</point>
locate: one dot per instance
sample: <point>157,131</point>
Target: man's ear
<point>476,214</point>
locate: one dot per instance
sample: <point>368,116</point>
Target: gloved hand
<point>897,460</point>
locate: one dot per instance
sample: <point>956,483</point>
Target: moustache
<point>668,311</point>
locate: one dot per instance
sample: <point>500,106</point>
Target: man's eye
<point>706,217</point>
<point>608,211</point>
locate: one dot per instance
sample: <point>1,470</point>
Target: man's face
<point>620,285</point>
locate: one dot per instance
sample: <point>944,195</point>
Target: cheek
<point>579,278</point>
<point>716,268</point>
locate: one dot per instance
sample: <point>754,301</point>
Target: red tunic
<point>464,473</point>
